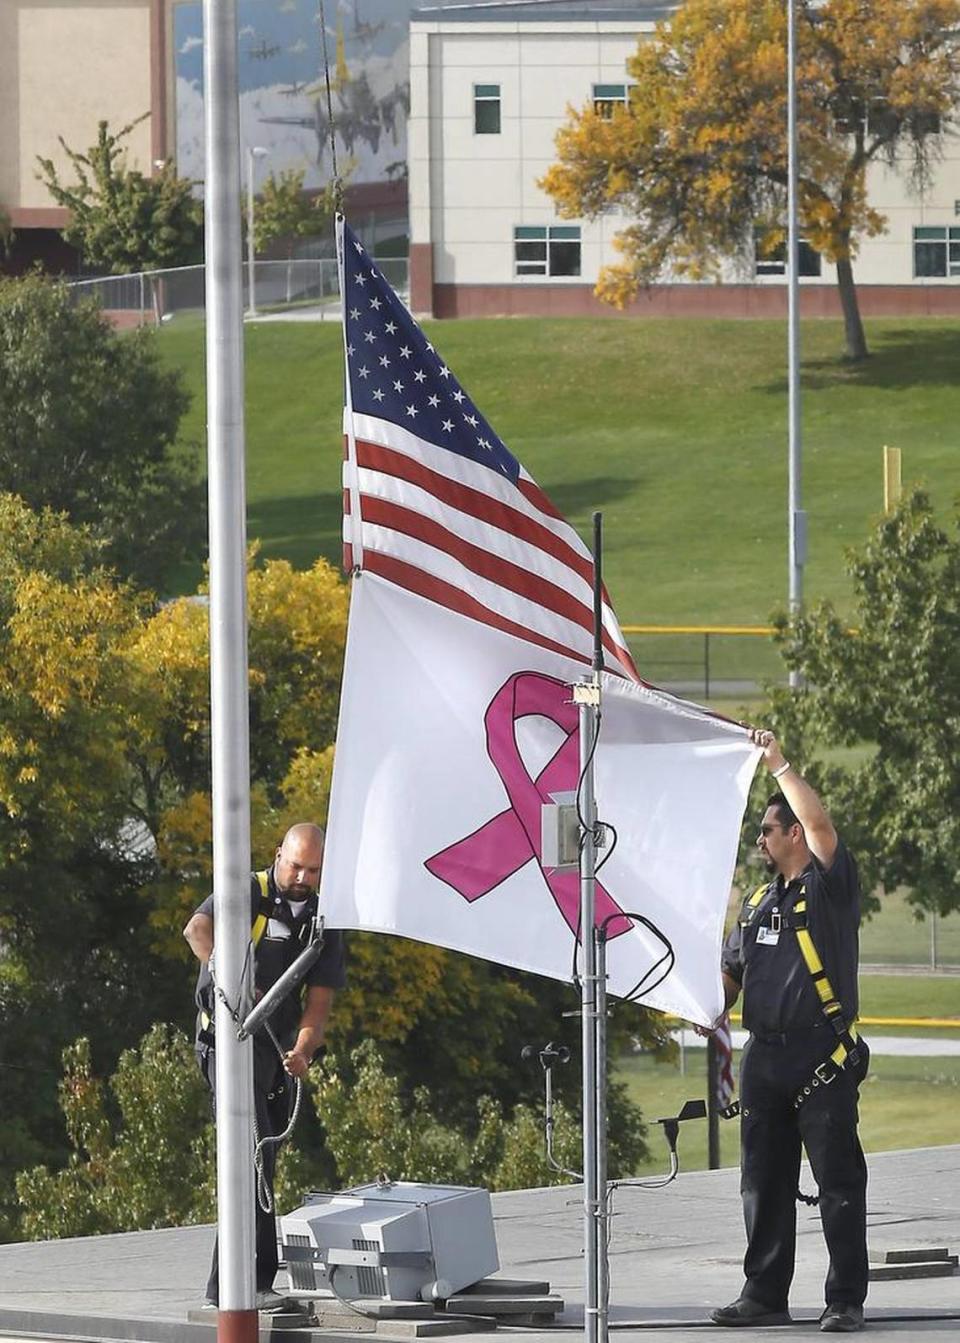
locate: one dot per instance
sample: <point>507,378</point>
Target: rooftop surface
<point>544,11</point>
<point>674,1254</point>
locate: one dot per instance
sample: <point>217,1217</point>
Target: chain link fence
<point>308,285</point>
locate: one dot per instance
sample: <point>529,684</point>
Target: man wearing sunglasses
<point>793,954</point>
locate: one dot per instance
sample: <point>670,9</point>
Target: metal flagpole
<point>237,1318</point>
<point>797,518</point>
<point>587,697</point>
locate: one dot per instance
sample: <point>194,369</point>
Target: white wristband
<point>775,773</point>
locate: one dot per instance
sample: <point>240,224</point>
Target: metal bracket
<point>587,692</point>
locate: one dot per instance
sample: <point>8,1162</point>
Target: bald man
<point>283,906</point>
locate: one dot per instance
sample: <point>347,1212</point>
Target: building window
<point>775,262</point>
<point>486,109</point>
<point>936,252</point>
<point>608,96</point>
<point>547,251</point>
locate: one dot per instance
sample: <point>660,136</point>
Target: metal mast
<point>237,1319</point>
<point>592,1002</point>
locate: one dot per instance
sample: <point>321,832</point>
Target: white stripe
<point>440,564</point>
<point>463,470</point>
<point>505,545</point>
<point>486,534</point>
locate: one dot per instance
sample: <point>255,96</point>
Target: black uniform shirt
<point>778,991</point>
<point>286,935</point>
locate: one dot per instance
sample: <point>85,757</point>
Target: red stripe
<point>477,504</point>
<point>384,513</point>
<point>532,492</point>
<point>445,594</point>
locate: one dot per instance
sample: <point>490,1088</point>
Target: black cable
<point>669,955</point>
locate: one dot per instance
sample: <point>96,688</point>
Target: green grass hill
<point>675,429</point>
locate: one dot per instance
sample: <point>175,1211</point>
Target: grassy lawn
<point>904,1102</point>
<point>675,429</point>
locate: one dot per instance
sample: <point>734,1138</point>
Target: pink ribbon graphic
<point>481,861</point>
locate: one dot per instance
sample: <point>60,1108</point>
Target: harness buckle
<point>825,1078</point>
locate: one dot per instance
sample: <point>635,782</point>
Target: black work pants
<point>272,1097</point>
<point>772,1071</point>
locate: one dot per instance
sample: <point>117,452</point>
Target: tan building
<point>66,65</point>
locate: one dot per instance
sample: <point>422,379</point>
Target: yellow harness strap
<point>828,999</point>
<point>260,922</point>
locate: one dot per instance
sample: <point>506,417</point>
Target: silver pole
<point>603,1264</point>
<point>586,695</point>
<point>797,519</point>
<point>588,699</point>
<point>228,669</point>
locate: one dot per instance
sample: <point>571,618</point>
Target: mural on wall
<point>283,98</point>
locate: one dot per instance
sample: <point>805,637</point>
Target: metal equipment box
<point>399,1241</point>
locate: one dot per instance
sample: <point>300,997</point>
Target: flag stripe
<point>414,579</point>
<point>522,495</point>
<point>442,564</point>
<point>475,502</point>
<point>507,525</point>
<point>383,513</point>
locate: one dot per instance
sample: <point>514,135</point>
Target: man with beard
<point>283,907</point>
<point>793,954</point>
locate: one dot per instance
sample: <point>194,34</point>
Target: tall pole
<point>797,518</point>
<point>587,697</point>
<point>230,750</point>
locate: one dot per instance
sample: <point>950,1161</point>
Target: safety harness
<point>847,1050</point>
<point>260,921</point>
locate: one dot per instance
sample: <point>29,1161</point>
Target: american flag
<point>723,1044</point>
<point>435,502</point>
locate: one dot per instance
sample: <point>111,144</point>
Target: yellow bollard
<point>892,487</point>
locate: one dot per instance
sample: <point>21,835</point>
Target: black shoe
<point>743,1311</point>
<point>840,1319</point>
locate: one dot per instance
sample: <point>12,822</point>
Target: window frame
<point>544,244</point>
<point>943,237</point>
<point>609,100</point>
<point>483,98</point>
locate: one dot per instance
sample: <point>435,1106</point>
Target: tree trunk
<point>852,323</point>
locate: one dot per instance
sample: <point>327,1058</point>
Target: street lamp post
<point>797,518</point>
<point>254,152</point>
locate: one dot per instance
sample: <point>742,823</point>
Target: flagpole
<point>230,750</point>
<point>587,697</point>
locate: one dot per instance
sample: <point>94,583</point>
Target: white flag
<point>453,734</point>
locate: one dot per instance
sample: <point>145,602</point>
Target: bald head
<point>296,870</point>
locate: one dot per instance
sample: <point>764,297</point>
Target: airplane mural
<point>283,100</point>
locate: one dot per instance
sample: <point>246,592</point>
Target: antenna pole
<point>592,998</point>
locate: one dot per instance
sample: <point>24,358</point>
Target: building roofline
<point>545,11</point>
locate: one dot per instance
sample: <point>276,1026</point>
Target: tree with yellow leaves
<point>698,159</point>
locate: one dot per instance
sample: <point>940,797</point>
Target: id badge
<point>766,937</point>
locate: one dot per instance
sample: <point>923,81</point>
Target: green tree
<point>698,160</point>
<point>120,220</point>
<point>890,687</point>
<point>88,426</point>
<point>372,1125</point>
<point>103,698</point>
<point>285,212</point>
<point>153,1168</point>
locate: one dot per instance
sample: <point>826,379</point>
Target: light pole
<point>254,152</point>
<point>796,517</point>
